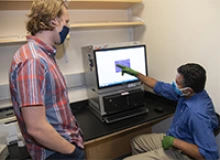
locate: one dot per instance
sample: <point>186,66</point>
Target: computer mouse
<point>158,109</point>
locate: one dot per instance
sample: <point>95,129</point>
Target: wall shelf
<point>79,26</point>
<point>18,40</point>
<point>73,4</point>
<point>105,24</point>
<point>5,41</point>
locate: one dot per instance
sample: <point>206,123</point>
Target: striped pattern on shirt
<point>36,80</point>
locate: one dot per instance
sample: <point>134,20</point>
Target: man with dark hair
<point>38,89</point>
<point>194,76</point>
<point>191,133</point>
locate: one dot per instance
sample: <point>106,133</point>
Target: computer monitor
<point>109,75</point>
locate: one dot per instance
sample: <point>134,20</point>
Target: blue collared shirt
<point>194,120</point>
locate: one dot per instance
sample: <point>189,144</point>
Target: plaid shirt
<point>35,80</point>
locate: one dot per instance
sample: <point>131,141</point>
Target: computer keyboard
<point>126,114</point>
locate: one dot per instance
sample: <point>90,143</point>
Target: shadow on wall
<point>61,49</point>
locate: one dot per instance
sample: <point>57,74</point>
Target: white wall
<point>178,32</point>
<point>12,25</point>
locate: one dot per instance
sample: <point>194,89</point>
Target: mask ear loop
<point>184,89</point>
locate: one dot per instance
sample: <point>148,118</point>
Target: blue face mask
<point>176,89</point>
<point>63,34</point>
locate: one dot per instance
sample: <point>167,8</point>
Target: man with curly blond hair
<point>38,88</point>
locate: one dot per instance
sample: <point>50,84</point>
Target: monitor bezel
<point>116,48</point>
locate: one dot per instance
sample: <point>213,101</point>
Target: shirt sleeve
<point>203,136</point>
<point>166,90</point>
<point>30,83</point>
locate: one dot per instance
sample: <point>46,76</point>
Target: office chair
<point>217,130</point>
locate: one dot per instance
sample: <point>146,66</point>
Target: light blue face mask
<point>177,90</point>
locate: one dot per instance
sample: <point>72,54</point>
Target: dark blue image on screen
<point>125,62</point>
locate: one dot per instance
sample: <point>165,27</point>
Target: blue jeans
<point>78,154</point>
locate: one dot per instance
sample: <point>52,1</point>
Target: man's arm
<point>43,132</point>
<point>188,148</point>
<point>148,81</point>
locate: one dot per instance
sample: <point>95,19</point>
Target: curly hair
<point>42,12</point>
<point>194,76</point>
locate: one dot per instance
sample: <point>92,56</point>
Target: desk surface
<point>93,128</point>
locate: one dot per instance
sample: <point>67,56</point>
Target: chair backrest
<point>217,130</point>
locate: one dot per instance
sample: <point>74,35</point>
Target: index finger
<point>121,66</point>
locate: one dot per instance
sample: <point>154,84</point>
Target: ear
<point>55,22</point>
<point>188,91</point>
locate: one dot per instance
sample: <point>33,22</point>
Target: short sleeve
<point>203,136</point>
<point>30,83</point>
<point>166,90</point>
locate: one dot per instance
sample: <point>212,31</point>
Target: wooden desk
<point>111,141</point>
<point>117,144</point>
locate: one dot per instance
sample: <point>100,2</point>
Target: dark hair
<point>194,76</point>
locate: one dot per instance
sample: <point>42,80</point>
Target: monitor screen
<point>108,74</point>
